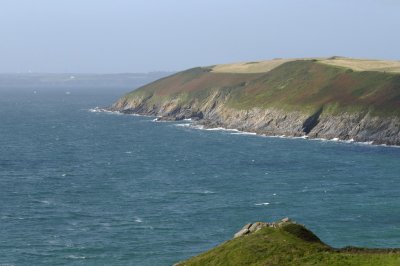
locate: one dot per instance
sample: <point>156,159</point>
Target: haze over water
<point>84,188</point>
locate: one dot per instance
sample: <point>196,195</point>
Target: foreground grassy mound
<point>288,243</point>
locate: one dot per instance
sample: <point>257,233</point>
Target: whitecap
<point>223,129</point>
<point>262,204</point>
<point>183,125</point>
<point>138,220</point>
<point>158,119</point>
<point>216,129</point>
<point>76,257</point>
<point>95,110</point>
<point>102,110</point>
<point>366,143</point>
<point>198,127</point>
<point>244,133</point>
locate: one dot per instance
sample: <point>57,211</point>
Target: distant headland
<point>332,98</point>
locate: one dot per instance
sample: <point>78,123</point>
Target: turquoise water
<point>83,188</point>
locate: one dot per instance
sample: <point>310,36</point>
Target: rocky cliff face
<point>357,126</point>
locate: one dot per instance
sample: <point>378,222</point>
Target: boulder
<point>242,232</point>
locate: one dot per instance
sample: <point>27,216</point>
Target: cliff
<point>287,243</point>
<point>347,99</point>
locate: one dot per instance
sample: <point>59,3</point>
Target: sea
<point>83,187</point>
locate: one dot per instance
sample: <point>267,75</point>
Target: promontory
<point>331,98</point>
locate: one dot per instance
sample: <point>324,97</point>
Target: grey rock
<point>242,232</point>
<point>254,227</point>
<point>247,226</point>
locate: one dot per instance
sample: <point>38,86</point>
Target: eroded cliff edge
<point>294,98</point>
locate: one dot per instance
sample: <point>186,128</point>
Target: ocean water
<point>85,188</point>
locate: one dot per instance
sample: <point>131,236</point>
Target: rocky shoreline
<point>357,127</point>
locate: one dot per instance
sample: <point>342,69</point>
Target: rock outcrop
<point>254,227</point>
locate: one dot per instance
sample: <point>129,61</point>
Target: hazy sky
<point>150,35</point>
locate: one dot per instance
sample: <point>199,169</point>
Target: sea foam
<point>262,204</point>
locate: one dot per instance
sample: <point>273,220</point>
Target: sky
<point>119,36</point>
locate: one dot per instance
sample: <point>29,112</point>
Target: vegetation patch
<point>290,243</point>
<point>290,85</point>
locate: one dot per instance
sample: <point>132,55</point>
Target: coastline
<point>198,125</point>
<point>300,98</point>
<point>249,133</point>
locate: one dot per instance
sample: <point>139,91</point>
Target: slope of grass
<point>250,67</point>
<point>291,244</point>
<point>309,85</point>
<point>300,85</point>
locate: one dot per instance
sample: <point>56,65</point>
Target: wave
<point>74,257</point>
<point>349,141</point>
<point>202,127</point>
<point>262,204</point>
<point>235,131</point>
<point>208,192</point>
<point>196,192</point>
<point>222,129</point>
<point>244,133</point>
<point>103,110</point>
<point>183,125</point>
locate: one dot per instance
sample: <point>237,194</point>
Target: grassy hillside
<point>310,84</point>
<point>290,244</point>
<point>299,85</point>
